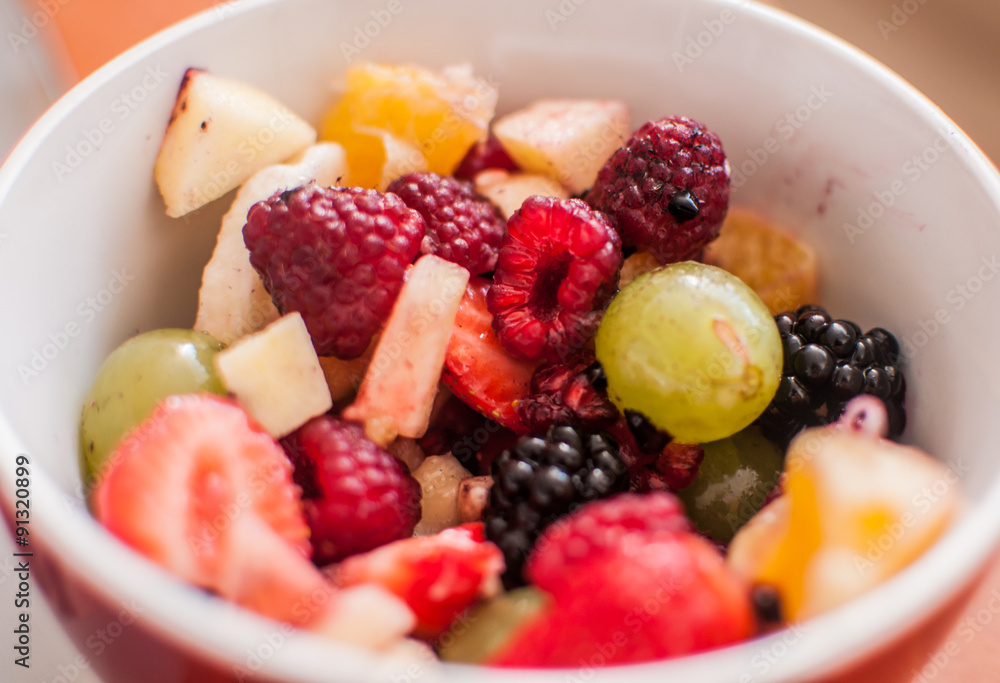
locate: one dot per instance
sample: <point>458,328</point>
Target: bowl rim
<point>182,615</point>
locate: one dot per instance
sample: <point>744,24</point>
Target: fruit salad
<point>511,390</point>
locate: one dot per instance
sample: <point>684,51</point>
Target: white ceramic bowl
<point>901,205</point>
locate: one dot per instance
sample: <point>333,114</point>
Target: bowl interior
<point>901,206</point>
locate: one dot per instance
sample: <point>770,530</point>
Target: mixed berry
<point>497,436</point>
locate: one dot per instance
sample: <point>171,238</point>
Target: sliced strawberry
<point>438,576</point>
<point>476,367</point>
<point>204,491</point>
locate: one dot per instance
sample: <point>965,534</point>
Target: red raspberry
<point>336,255</point>
<point>570,392</point>
<point>612,525</point>
<point>483,155</point>
<point>557,270</point>
<point>356,496</point>
<point>462,227</point>
<point>667,188</point>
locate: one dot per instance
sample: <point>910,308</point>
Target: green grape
<point>475,636</point>
<point>732,483</point>
<point>693,349</point>
<point>135,377</point>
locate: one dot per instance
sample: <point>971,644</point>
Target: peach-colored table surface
<point>949,50</point>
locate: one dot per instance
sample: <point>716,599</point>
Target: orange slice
<point>441,114</point>
<point>780,268</point>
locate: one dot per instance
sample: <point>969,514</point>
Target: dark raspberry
<point>356,496</point>
<point>667,188</point>
<point>828,362</point>
<point>540,480</point>
<point>567,393</point>
<point>674,469</point>
<point>462,227</point>
<point>558,267</point>
<point>483,155</point>
<point>338,256</point>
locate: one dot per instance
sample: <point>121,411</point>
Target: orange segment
<point>855,511</point>
<point>780,268</point>
<point>441,114</point>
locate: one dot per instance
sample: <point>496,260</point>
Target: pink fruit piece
<point>437,576</point>
<point>483,155</point>
<point>201,489</point>
<point>478,370</point>
<point>568,392</point>
<point>557,270</point>
<point>401,382</point>
<point>336,255</point>
<point>629,580</point>
<point>666,189</point>
<point>356,495</point>
<point>462,227</point>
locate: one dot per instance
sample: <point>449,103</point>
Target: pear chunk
<point>221,132</point>
<point>275,374</point>
<point>567,139</point>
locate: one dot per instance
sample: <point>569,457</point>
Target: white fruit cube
<point>568,140</point>
<point>221,132</point>
<point>401,382</point>
<point>509,190</point>
<point>276,375</point>
<point>232,301</point>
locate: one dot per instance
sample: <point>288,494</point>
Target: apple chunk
<point>509,190</point>
<point>232,301</point>
<point>398,390</point>
<point>276,375</point>
<point>568,139</point>
<point>221,132</point>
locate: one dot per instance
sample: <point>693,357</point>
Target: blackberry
<point>540,480</point>
<point>828,362</point>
